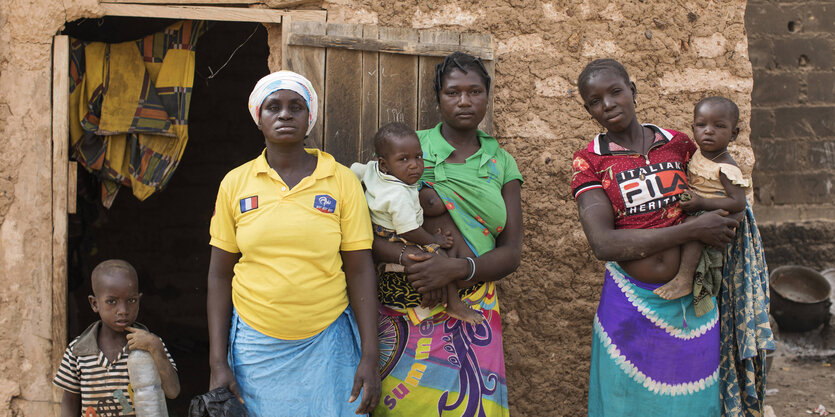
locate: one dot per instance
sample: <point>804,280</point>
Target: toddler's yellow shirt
<point>289,282</point>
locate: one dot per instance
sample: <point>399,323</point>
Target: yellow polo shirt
<point>289,282</point>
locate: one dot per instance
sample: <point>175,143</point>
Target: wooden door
<point>368,76</point>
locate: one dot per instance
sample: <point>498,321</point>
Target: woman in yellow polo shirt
<point>291,333</point>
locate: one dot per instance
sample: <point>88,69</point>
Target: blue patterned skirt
<point>746,333</point>
<point>650,356</point>
<point>291,378</point>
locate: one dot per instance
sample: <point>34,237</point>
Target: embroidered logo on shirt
<point>652,187</point>
<point>249,203</point>
<point>324,203</point>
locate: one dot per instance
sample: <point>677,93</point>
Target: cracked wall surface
<point>676,52</point>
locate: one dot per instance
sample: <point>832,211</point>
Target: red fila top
<point>644,190</point>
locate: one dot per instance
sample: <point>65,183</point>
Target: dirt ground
<point>802,374</point>
<point>801,384</point>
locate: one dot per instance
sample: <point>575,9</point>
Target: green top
<point>472,191</point>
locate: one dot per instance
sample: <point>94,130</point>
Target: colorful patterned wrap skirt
<point>650,356</point>
<point>442,366</point>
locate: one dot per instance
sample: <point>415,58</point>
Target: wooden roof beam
<point>388,46</point>
<point>229,14</point>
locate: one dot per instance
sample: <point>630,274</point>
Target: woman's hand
<point>411,256</point>
<point>433,272</point>
<point>692,203</point>
<point>222,376</point>
<point>362,292</point>
<point>714,228</point>
<point>367,378</point>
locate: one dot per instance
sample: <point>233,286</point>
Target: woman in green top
<point>433,364</point>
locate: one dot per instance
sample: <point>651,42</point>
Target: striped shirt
<point>104,386</point>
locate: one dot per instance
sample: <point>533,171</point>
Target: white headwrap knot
<point>284,80</point>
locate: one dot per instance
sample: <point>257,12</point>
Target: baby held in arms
<point>397,203</point>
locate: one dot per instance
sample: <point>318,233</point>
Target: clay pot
<point>799,298</point>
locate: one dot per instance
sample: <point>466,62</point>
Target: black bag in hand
<point>219,402</point>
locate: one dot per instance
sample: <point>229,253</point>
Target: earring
<point>635,101</point>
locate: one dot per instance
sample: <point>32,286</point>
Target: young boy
<point>94,370</point>
<point>391,185</point>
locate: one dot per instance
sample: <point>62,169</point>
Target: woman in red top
<point>649,355</point>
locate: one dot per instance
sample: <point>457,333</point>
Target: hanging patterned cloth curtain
<point>129,106</point>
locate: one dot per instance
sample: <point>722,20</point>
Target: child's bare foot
<point>678,287</point>
<point>461,311</point>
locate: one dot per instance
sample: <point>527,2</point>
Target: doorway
<point>166,237</point>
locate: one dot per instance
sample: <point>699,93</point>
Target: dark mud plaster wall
<point>792,49</point>
<point>807,243</point>
<point>675,51</point>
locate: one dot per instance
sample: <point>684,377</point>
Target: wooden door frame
<point>60,197</point>
<point>64,171</point>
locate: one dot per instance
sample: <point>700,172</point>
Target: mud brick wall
<point>792,50</point>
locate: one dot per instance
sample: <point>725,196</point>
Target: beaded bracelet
<point>472,272</point>
<point>400,258</point>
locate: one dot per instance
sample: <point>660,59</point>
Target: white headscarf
<point>284,80</point>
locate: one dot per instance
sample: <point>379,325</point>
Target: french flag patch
<point>249,203</point>
<point>324,203</point>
